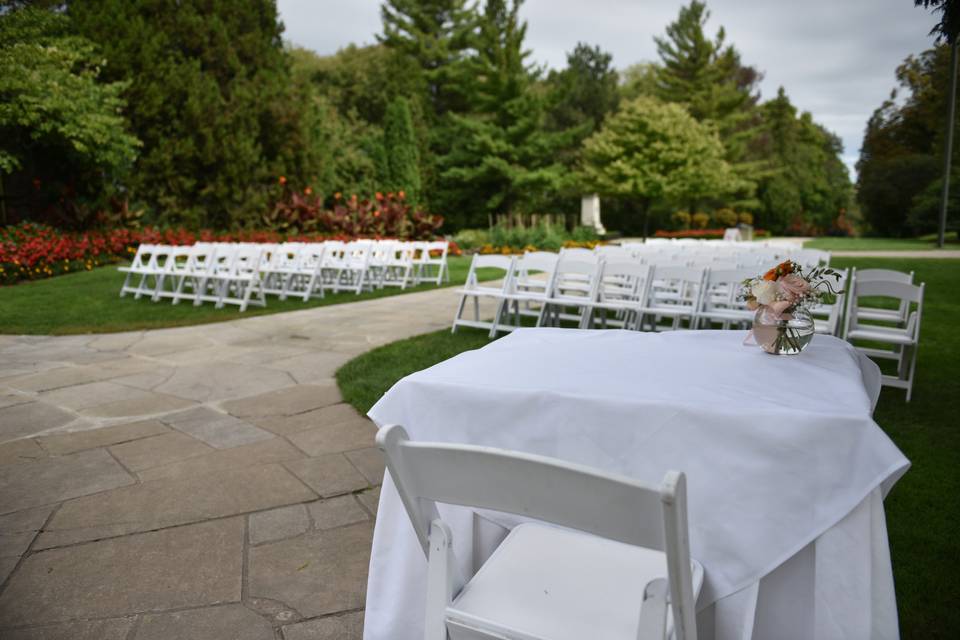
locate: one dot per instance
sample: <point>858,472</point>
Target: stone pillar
<point>590,213</point>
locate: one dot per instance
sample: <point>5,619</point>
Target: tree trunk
<point>948,147</point>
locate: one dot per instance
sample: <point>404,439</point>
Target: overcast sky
<point>836,58</point>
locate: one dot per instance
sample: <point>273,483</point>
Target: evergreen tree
<point>436,34</point>
<point>707,76</point>
<point>400,144</point>
<point>651,152</point>
<point>502,160</point>
<point>209,97</point>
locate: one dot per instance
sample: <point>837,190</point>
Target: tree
<point>707,76</point>
<point>501,159</point>
<point>400,145</point>
<point>437,35</point>
<point>652,152</point>
<point>209,95</point>
<point>947,29</point>
<point>62,135</point>
<point>582,94</point>
<point>897,169</point>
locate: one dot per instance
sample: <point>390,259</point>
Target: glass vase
<point>784,335</point>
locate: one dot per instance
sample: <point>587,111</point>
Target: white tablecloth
<point>785,466</point>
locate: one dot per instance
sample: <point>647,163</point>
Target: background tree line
<point>192,110</point>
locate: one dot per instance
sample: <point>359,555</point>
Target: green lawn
<point>923,511</point>
<point>878,244</point>
<point>89,302</point>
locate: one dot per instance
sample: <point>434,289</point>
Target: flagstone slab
<point>212,382</point>
<point>141,403</point>
<point>64,443</point>
<point>69,376</point>
<point>285,402</point>
<point>31,418</point>
<point>188,566</point>
<point>370,462</point>
<point>18,529</point>
<point>10,399</point>
<point>219,430</point>
<point>226,622</point>
<point>20,451</point>
<point>336,512</point>
<point>312,367</point>
<point>220,460</point>
<point>56,479</point>
<point>156,343</point>
<point>286,425</point>
<point>158,450</point>
<point>112,629</point>
<point>329,475</point>
<point>278,524</point>
<point>317,573</point>
<point>83,396</point>
<point>334,438</point>
<point>348,626</point>
<point>167,503</point>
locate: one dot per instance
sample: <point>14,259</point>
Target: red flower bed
<point>31,252</point>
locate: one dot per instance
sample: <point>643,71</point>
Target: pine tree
<point>502,160</point>
<point>400,145</point>
<point>707,76</point>
<point>437,35</point>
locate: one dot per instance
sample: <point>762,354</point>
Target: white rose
<point>765,292</point>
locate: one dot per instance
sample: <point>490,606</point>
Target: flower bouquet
<point>782,298</point>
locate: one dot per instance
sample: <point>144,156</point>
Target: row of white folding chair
<point>293,269</point>
<point>898,327</point>
<point>430,262</point>
<point>205,272</point>
<point>637,295</point>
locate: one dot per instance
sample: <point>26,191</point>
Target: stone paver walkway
<point>202,483</point>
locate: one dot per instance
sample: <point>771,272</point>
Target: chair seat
<point>891,335</point>
<point>483,291</point>
<point>883,315</point>
<point>559,584</point>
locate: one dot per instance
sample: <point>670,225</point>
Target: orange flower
<point>379,196</point>
<point>282,180</point>
<point>376,214</point>
<point>782,269</point>
<point>308,191</point>
<point>402,195</point>
<point>337,195</point>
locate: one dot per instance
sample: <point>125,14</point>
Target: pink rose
<point>793,286</point>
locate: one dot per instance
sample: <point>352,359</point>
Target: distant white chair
<point>191,277</point>
<point>904,341</point>
<point>720,302</point>
<point>574,286</point>
<point>675,296</point>
<point>827,316</point>
<point>430,262</point>
<point>472,290</point>
<point>621,295</point>
<point>237,281</point>
<point>618,569</point>
<point>142,266</point>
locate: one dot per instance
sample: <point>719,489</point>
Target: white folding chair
<point>398,267</point>
<point>574,286</point>
<point>142,266</point>
<point>430,256</point>
<point>237,281</point>
<point>720,303</point>
<point>898,315</point>
<point>473,290</point>
<point>190,276</point>
<point>305,279</point>
<point>904,341</point>
<point>532,274</point>
<point>622,290</point>
<point>675,296</point>
<point>617,567</point>
<point>353,268</point>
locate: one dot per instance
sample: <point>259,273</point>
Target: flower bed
<point>507,250</point>
<point>705,234</point>
<point>32,252</point>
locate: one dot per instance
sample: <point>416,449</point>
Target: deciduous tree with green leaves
<point>651,152</point>
<point>62,132</point>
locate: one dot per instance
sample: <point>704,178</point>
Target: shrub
<point>705,234</point>
<point>543,237</point>
<point>681,219</point>
<point>745,218</point>
<point>700,220</point>
<point>725,217</point>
